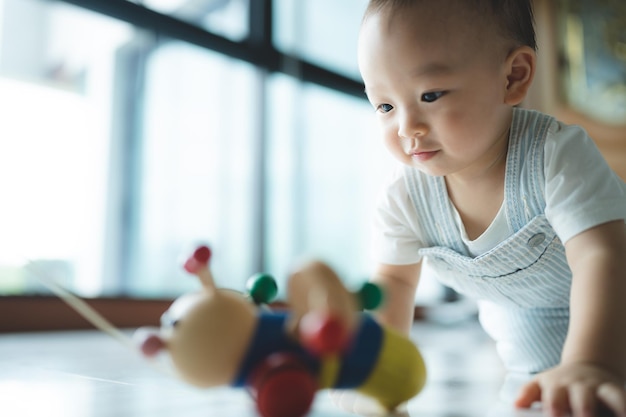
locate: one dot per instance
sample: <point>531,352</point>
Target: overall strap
<point>524,186</point>
<point>429,195</point>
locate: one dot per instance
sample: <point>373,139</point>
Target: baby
<point>509,206</point>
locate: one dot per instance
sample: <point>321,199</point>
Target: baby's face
<point>437,82</point>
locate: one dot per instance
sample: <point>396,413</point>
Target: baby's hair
<point>513,18</point>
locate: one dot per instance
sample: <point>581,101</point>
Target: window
<point>228,18</point>
<point>172,122</point>
<point>56,83</point>
<point>309,29</point>
<point>325,170</point>
<point>197,169</point>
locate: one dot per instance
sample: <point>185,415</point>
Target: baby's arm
<point>399,283</point>
<point>593,363</point>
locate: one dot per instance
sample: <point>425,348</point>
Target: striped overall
<point>523,284</point>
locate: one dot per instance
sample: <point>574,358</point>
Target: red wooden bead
<point>323,333</point>
<point>198,260</point>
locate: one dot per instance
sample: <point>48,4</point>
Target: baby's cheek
<point>394,146</point>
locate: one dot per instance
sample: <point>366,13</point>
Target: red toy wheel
<point>283,387</point>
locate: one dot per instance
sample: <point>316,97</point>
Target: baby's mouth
<point>423,155</point>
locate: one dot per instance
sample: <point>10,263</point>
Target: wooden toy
<point>219,337</point>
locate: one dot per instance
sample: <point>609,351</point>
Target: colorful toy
<point>218,337</point>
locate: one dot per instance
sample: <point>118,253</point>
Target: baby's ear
<point>520,65</point>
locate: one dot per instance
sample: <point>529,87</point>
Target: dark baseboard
<point>43,313</point>
<point>48,313</point>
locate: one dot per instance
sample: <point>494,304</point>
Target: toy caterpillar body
<point>218,337</point>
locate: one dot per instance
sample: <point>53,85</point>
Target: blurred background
<point>132,130</point>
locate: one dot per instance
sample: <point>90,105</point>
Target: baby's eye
<point>432,96</point>
<point>385,108</point>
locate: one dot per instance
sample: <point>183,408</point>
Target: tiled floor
<point>88,374</point>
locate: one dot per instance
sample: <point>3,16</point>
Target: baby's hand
<point>581,389</point>
<point>315,293</point>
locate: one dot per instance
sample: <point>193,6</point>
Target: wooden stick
<point>82,308</point>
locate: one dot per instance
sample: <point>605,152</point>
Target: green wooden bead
<point>262,288</point>
<point>370,295</point>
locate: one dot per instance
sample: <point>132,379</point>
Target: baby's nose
<point>411,125</point>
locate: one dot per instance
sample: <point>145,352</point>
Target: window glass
<point>56,77</point>
<point>197,165</point>
<point>228,18</point>
<point>326,168</point>
<point>321,31</point>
